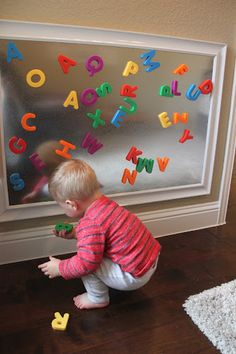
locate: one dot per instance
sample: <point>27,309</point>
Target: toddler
<point>114,248</point>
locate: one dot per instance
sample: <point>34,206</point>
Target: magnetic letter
<point>133,105</point>
<point>88,97</point>
<point>104,89</point>
<point>180,117</point>
<point>147,62</point>
<point>181,70</point>
<point>91,143</point>
<point>35,84</point>
<point>206,87</point>
<point>162,163</point>
<point>59,322</point>
<point>13,52</point>
<point>24,120</point>
<point>128,176</point>
<point>94,64</point>
<point>64,152</point>
<point>164,119</point>
<point>131,68</point>
<point>132,154</point>
<point>96,118</point>
<point>127,90</point>
<point>17,182</point>
<point>19,147</point>
<point>117,118</point>
<point>165,91</point>
<point>174,88</point>
<point>186,136</point>
<point>37,162</point>
<point>148,164</point>
<point>65,63</point>
<point>192,96</point>
<point>72,100</point>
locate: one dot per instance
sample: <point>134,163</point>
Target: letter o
<point>40,82</point>
<point>88,97</point>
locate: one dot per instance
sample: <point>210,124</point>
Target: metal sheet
<point>141,129</point>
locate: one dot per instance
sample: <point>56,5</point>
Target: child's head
<point>73,180</point>
<point>46,152</point>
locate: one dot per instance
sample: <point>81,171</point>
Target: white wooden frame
<point>74,34</point>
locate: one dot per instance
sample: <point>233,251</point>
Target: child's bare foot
<point>82,302</point>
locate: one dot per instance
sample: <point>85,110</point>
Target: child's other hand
<point>51,268</point>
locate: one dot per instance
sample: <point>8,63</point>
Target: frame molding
<point>39,242</point>
<point>75,34</point>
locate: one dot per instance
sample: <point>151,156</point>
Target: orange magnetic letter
<point>24,122</point>
<point>181,70</point>
<point>180,117</point>
<point>64,152</point>
<point>162,163</point>
<point>128,176</point>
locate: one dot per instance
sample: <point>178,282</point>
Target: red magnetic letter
<point>65,63</point>
<point>127,90</point>
<point>186,136</point>
<point>132,154</point>
<point>20,146</point>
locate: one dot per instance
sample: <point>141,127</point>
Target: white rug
<point>214,312</point>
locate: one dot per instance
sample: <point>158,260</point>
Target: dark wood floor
<point>146,321</point>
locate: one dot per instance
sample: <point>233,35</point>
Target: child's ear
<point>73,204</point>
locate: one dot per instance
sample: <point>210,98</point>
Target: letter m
<point>148,56</point>
<point>91,143</point>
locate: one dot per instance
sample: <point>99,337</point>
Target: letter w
<point>91,143</point>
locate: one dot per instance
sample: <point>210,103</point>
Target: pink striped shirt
<point>109,230</point>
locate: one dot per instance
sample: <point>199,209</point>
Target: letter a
<point>13,52</point>
<point>72,100</point>
<point>65,63</point>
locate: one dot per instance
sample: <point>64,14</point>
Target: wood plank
<point>150,320</point>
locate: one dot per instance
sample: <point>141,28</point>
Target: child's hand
<point>64,234</point>
<point>51,268</point>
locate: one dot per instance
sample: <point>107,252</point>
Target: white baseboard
<point>39,242</point>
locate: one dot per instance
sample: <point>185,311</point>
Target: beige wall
<point>209,20</point>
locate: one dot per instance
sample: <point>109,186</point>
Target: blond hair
<point>73,180</point>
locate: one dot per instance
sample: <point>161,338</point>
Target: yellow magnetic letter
<point>131,68</point>
<point>164,119</point>
<point>72,100</point>
<point>60,322</point>
<point>38,83</point>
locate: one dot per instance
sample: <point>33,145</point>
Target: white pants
<point>109,274</point>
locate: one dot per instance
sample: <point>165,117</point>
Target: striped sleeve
<point>90,250</point>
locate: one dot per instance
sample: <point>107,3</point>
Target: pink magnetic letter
<point>94,64</point>
<point>93,96</point>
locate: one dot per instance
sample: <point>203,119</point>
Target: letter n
<point>131,177</point>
